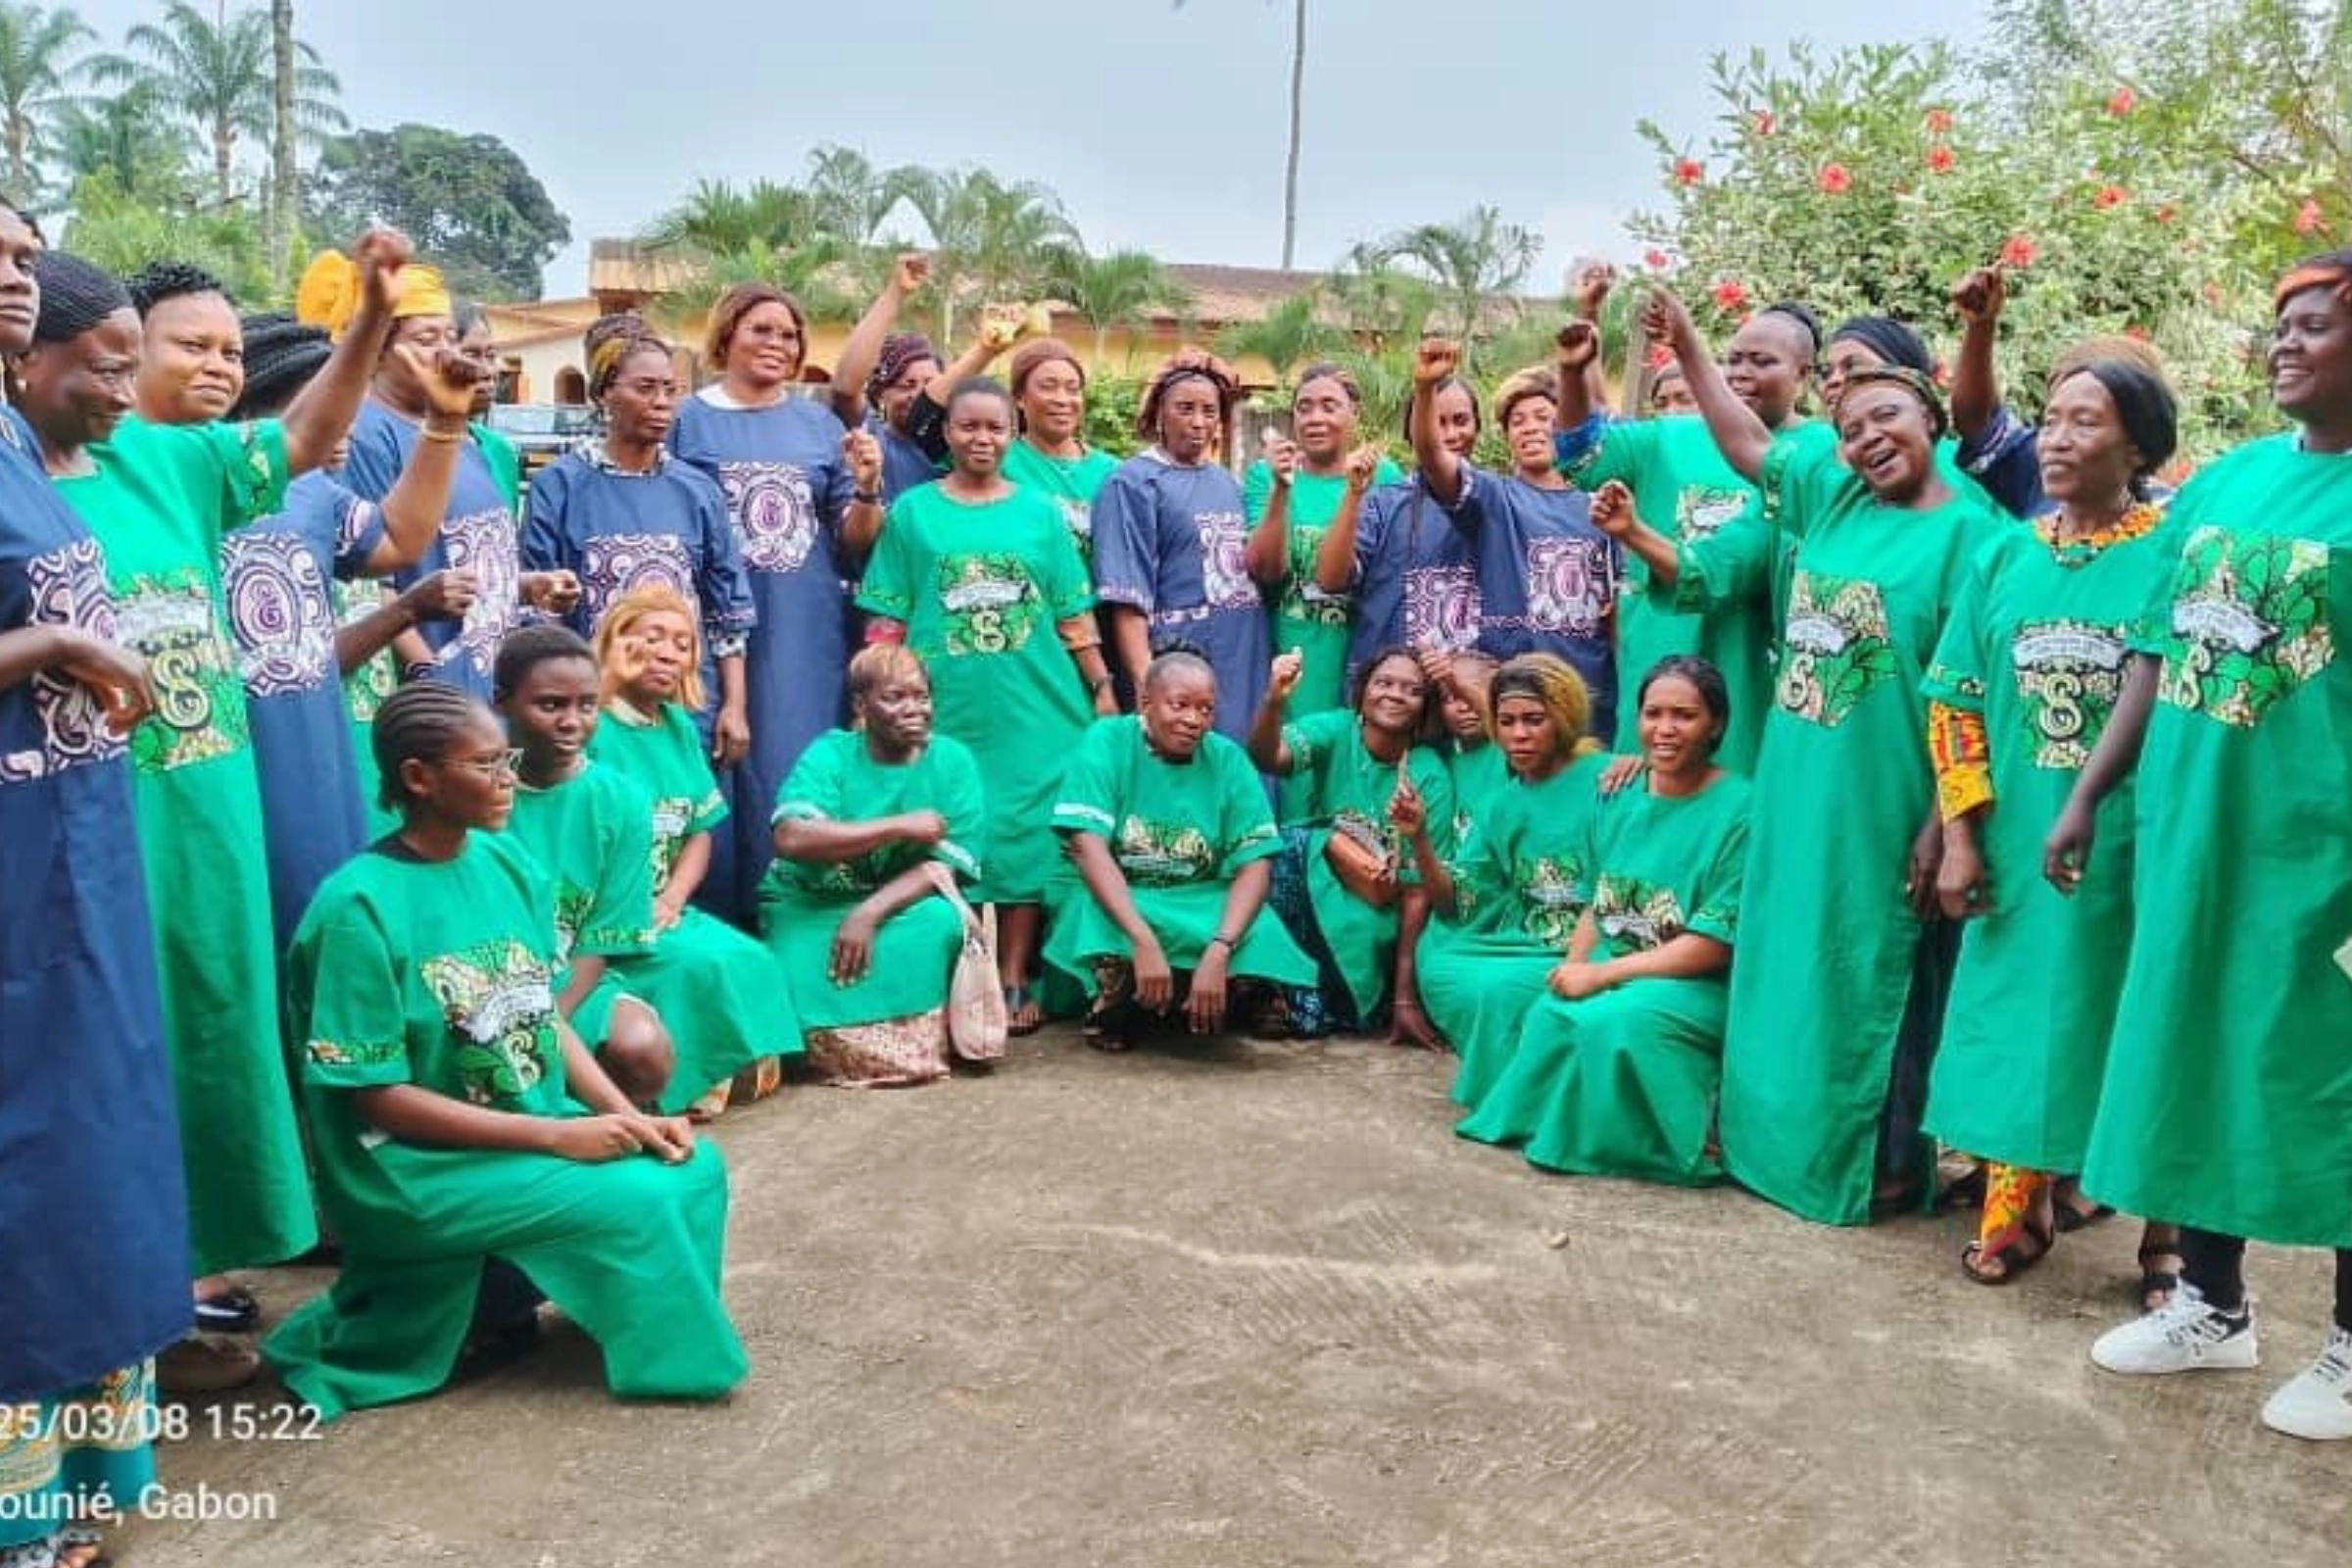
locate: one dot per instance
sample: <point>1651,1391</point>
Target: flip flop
<point>1017,1000</point>
<point>2016,1263</point>
<point>2071,1219</point>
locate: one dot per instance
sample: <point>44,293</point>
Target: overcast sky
<point>1160,129</point>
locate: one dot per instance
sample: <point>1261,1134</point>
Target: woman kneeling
<point>456,1119</point>
<point>1172,834</point>
<point>1616,1071</point>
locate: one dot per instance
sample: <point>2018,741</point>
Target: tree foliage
<point>40,71</point>
<point>468,202</point>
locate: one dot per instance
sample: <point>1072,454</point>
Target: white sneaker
<point>2185,1334</point>
<point>2317,1404</point>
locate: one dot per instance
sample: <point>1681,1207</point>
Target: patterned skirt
<point>897,1052</point>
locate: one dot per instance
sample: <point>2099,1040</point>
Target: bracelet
<point>865,498</point>
<point>444,437</point>
<point>1219,939</point>
<point>416,669</point>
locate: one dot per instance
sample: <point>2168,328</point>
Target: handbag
<point>1367,872</point>
<point>977,1018</point>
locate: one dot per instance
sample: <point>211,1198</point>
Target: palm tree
<point>1383,304</point>
<point>1120,289</point>
<point>35,80</point>
<point>127,139</point>
<point>848,196</point>
<point>1471,261</point>
<point>1291,334</point>
<point>716,218</point>
<point>217,76</point>
<point>989,238</point>
<point>285,64</point>
<point>1290,163</point>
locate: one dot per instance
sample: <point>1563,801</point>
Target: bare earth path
<point>1254,1305</point>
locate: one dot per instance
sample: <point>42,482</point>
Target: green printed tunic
<point>1346,789</point>
<point>981,590</point>
<point>592,834</point>
<point>1069,483</point>
<point>2227,1100</point>
<point>1622,1083</point>
<point>1179,832</point>
<point>364,692</point>
<point>1305,616</point>
<point>1523,878</point>
<point>718,992</point>
<point>802,906</point>
<point>1842,786</point>
<point>1684,489</point>
<point>440,975</point>
<point>160,502</point>
<point>2035,647</point>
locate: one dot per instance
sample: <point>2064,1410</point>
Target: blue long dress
<point>93,1214</point>
<point>274,574</point>
<point>1168,541</point>
<point>786,488</point>
<point>617,530</point>
<point>479,532</point>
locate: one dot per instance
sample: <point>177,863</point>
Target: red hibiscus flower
<point>2137,332</point>
<point>1941,159</point>
<point>1835,180</point>
<point>2122,103</point>
<point>1762,122</point>
<point>2018,252</point>
<point>2108,196</point>
<point>1730,295</point>
<point>2309,220</point>
<point>2166,213</point>
<point>1939,121</point>
<point>1659,357</point>
<point>1656,261</point>
<point>1688,171</point>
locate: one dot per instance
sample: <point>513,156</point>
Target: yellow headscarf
<point>328,295</point>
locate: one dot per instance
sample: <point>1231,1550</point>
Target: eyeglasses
<point>508,765</point>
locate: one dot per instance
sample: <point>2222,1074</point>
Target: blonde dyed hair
<point>875,666</point>
<point>1549,680</point>
<point>622,620</point>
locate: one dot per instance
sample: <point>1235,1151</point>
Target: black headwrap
<point>1889,339</point>
<point>76,296</point>
<point>1915,382</point>
<point>899,351</point>
<point>282,355</point>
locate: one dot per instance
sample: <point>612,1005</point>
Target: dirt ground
<point>1255,1305</point>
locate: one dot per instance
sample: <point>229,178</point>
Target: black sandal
<point>231,1311</point>
<point>2071,1219</point>
<point>2016,1263</point>
<point>2155,1281</point>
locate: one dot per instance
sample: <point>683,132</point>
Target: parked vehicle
<point>541,432</point>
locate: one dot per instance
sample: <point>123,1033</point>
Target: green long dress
<point>2228,1102</point>
<point>1069,483</point>
<point>1346,790</point>
<point>802,907</point>
<point>1624,1083</point>
<point>364,692</point>
<point>1842,786</point>
<point>158,503</point>
<point>718,990</point>
<point>2036,648</point>
<point>1685,490</point>
<point>1179,832</point>
<point>1305,616</point>
<point>1477,774</point>
<point>981,590</point>
<point>440,974</point>
<point>1526,858</point>
<point>592,835</point>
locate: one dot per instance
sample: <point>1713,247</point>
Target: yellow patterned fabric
<point>1963,759</point>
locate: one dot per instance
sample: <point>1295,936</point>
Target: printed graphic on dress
<point>1569,588</point>
<point>1550,906</point>
<point>776,516</point>
<point>1442,608</point>
<point>199,702</point>
<point>987,603</point>
<point>1079,517</point>
<point>1224,571</point>
<point>501,1010</point>
<point>671,814</point>
<point>1836,649</point>
<point>1700,512</point>
<point>2068,674</point>
<point>1635,915</point>
<point>2249,623</point>
<point>67,587</point>
<point>278,612</point>
<point>366,687</point>
<point>574,904</point>
<point>614,563</point>
<point>484,544</point>
<point>1162,854</point>
<point>1302,598</point>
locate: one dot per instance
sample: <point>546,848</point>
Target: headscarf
<point>899,351</point>
<point>282,355</point>
<point>620,621</point>
<point>1039,352</point>
<point>76,296</point>
<point>328,294</point>
<point>1889,339</point>
<point>1551,681</point>
<point>2331,272</point>
<point>1915,382</point>
<point>608,344</point>
<point>1186,364</point>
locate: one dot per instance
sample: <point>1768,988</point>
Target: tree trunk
<point>282,171</point>
<point>18,133</point>
<point>1290,173</point>
<point>225,143</point>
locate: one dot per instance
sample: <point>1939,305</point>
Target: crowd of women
<point>383,851</point>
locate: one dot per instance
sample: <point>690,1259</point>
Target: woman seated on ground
<point>1340,878</point>
<point>1475,769</point>
<point>1616,1071</point>
<point>1526,855</point>
<point>456,1119</point>
<point>1172,835</point>
<point>867,827</point>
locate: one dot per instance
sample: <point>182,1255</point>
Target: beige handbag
<point>977,1018</point>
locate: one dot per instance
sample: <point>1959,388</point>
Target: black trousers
<point>2216,1265</point>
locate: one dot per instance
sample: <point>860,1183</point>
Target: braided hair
<point>1187,364</point>
<point>416,724</point>
<point>76,296</point>
<point>608,345</point>
<point>158,281</point>
<point>282,355</point>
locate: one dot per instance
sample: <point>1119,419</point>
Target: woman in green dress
<point>979,578</point>
<point>2022,682</point>
<point>1339,880</point>
<point>1051,456</point>
<point>1822,1085</point>
<point>458,1120</point>
<point>2227,1100</point>
<point>1475,770</point>
<point>1169,827</point>
<point>719,991</point>
<point>852,908</point>
<point>1616,1071</point>
<point>1525,859</point>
